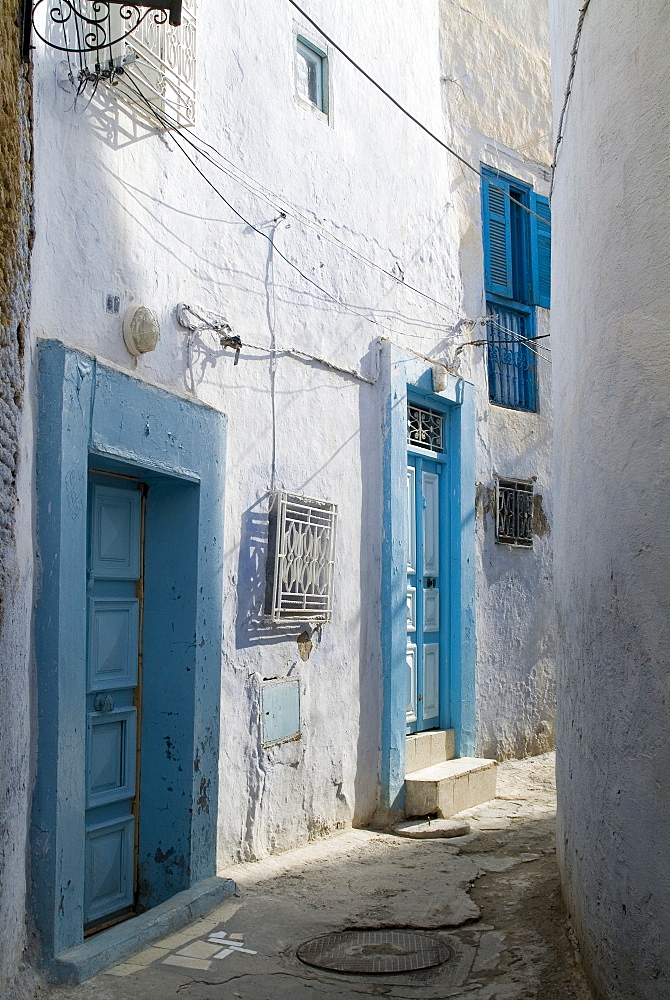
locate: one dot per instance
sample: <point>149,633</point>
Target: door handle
<point>103,703</point>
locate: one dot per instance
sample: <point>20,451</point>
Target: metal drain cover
<point>374,952</point>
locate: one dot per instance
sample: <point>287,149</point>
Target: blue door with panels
<point>112,696</point>
<point>426,570</point>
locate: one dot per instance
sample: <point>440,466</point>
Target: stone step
<point>449,787</point>
<point>432,747</point>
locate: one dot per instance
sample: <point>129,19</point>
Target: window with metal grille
<point>514,512</point>
<point>512,368</point>
<point>301,553</point>
<point>424,428</point>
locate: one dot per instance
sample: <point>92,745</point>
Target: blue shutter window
<point>496,217</point>
<point>540,245</point>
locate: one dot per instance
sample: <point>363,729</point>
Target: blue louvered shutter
<point>497,236</point>
<point>540,250</point>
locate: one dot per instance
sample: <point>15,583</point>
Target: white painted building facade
<point>610,326</point>
<point>343,247</point>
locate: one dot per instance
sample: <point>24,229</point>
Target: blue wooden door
<point>426,575</point>
<point>113,595</point>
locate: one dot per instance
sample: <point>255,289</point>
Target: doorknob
<point>103,703</point>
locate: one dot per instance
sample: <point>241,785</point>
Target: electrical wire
<point>568,90</point>
<point>214,327</point>
<point>409,115</point>
<point>279,204</point>
<point>354,310</point>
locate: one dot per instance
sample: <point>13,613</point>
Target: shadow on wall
<point>252,628</point>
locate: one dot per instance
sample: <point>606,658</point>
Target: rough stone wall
<point>496,93</point>
<point>610,333</point>
<point>15,568</point>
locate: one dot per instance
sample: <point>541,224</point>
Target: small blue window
<point>517,276</point>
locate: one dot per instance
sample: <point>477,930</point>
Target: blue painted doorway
<point>427,570</point>
<point>113,689</point>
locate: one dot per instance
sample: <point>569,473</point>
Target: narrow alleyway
<point>491,897</point>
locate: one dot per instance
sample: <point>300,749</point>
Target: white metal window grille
<point>514,512</point>
<point>424,428</point>
<point>301,550</point>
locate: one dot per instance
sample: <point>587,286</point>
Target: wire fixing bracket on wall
<point>196,321</point>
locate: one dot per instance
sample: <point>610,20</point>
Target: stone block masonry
<point>15,575</point>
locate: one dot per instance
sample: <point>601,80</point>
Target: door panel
<point>111,756</point>
<point>112,681</point>
<point>411,520</point>
<point>431,610</point>
<point>112,643</point>
<point>431,522</point>
<point>426,639</point>
<point>109,869</point>
<point>411,682</point>
<point>115,534</point>
<point>431,681</point>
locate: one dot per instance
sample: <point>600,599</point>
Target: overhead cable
<point>441,142</point>
<point>355,310</point>
<point>352,309</point>
<point>568,89</point>
<point>279,203</point>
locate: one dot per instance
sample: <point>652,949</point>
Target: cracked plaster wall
<point>15,540</point>
<point>610,321</point>
<point>496,92</point>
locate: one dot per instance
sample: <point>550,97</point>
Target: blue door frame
<point>404,376</point>
<point>91,417</point>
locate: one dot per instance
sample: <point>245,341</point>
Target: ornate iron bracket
<point>85,24</point>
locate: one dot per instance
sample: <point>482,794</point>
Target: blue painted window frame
<point>517,276</point>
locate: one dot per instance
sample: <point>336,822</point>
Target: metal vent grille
<point>424,428</point>
<point>514,512</point>
<point>301,548</point>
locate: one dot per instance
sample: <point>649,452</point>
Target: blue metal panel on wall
<point>87,411</point>
<point>398,370</point>
<point>280,711</point>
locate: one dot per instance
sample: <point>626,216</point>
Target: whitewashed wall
<point>127,214</point>
<point>610,333</point>
<point>497,102</point>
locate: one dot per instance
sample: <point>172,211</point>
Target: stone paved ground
<point>492,896</point>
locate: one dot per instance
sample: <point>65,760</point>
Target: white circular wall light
<point>141,330</point>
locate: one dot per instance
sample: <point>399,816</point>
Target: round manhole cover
<point>374,952</point>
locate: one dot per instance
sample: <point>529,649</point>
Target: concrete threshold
<point>118,943</point>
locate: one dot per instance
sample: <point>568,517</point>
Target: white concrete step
<point>432,747</point>
<point>449,787</point>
